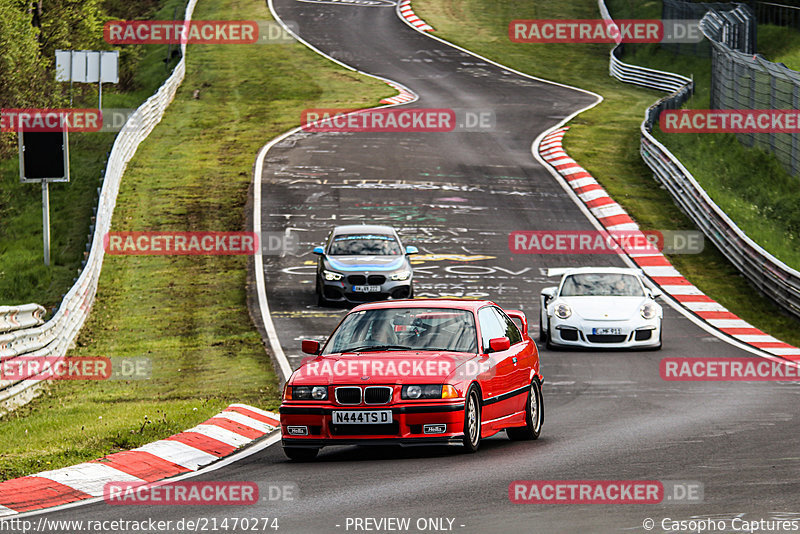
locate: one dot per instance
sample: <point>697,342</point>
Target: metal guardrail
<point>641,76</point>
<point>743,25</point>
<point>57,335</point>
<point>18,317</point>
<point>644,77</point>
<point>771,276</point>
<point>735,28</point>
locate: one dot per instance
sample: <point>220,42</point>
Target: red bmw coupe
<point>415,372</point>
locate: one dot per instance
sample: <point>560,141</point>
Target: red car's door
<point>502,375</point>
<point>523,359</point>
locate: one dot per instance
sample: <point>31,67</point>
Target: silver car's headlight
<point>562,311</point>
<point>401,275</point>
<point>648,310</point>
<point>331,276</point>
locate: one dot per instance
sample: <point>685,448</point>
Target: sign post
<point>44,157</point>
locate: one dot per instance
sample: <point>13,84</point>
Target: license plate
<point>366,289</point>
<point>607,331</point>
<point>362,417</point>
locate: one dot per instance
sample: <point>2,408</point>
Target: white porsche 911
<point>600,307</point>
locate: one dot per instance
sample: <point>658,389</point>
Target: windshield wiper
<point>364,348</point>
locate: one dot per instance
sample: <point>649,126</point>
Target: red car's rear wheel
<point>534,417</point>
<point>472,421</point>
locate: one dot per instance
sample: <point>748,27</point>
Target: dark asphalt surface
<point>608,415</point>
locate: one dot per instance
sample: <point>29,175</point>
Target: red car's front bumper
<point>408,426</point>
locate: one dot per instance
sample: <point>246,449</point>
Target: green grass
<point>749,184</point>
<point>188,314</point>
<point>23,276</point>
<point>780,45</point>
<point>605,139</point>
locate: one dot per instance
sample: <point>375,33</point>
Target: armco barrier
<point>56,336</point>
<point>771,276</point>
<point>19,317</point>
<point>641,76</point>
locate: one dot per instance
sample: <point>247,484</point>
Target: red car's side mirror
<point>519,316</point>
<point>499,344</point>
<point>310,346</point>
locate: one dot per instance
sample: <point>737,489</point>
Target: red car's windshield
<point>431,329</point>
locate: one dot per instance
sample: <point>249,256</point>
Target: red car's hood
<point>395,367</point>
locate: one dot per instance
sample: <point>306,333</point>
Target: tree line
<point>31,32</point>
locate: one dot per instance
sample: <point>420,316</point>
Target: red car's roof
<point>459,304</point>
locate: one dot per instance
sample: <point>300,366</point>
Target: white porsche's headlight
<point>648,310</point>
<point>562,311</point>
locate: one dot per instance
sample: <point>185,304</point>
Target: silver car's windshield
<point>443,329</point>
<point>365,245</point>
<point>601,285</point>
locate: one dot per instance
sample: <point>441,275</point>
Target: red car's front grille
<point>348,395</point>
<point>377,395</point>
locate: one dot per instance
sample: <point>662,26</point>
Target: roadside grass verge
<point>23,276</point>
<point>188,314</point>
<point>748,183</point>
<point>605,139</point>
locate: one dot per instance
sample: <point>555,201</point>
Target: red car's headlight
<point>308,392</point>
<point>428,391</point>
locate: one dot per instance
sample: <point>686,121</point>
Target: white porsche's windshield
<point>601,285</point>
<point>442,329</point>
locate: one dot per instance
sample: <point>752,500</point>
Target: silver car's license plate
<point>362,417</point>
<point>366,289</point>
<point>607,331</point>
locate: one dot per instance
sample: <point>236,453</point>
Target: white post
<point>46,221</point>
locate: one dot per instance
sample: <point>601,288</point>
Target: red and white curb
<point>402,98</point>
<point>655,265</point>
<point>407,13</point>
<point>236,426</point>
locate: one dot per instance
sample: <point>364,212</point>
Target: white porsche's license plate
<point>607,331</point>
<point>366,289</point>
<point>362,417</point>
